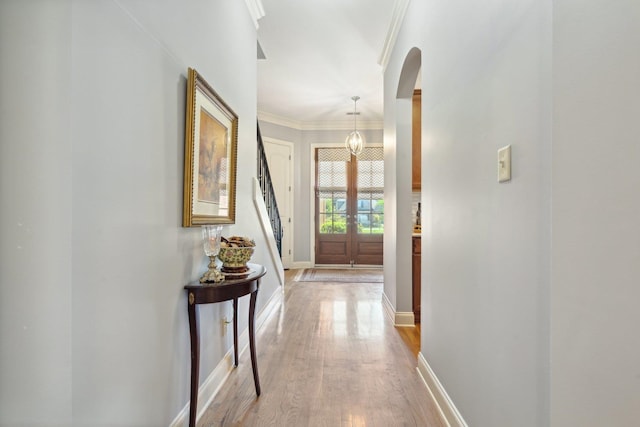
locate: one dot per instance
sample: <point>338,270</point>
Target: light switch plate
<point>504,164</point>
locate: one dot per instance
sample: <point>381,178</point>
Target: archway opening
<point>398,253</point>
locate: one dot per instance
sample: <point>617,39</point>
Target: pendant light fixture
<point>355,141</point>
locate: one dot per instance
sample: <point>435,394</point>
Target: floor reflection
<point>364,320</point>
<point>331,357</point>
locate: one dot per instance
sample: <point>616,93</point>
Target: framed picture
<point>210,156</point>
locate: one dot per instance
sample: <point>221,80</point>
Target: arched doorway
<point>398,197</point>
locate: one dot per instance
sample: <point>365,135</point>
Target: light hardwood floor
<point>411,338</point>
<point>328,357</point>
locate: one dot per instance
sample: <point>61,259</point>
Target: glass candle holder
<point>211,235</point>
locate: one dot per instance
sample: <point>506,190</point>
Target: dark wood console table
<point>217,292</point>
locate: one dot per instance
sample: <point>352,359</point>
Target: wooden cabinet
<point>416,139</point>
<point>415,276</point>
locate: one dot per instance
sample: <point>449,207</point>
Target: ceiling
<point>320,53</point>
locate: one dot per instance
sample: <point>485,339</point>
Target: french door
<point>349,206</point>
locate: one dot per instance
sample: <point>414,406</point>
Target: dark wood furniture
<point>415,275</point>
<point>208,293</point>
<point>416,138</point>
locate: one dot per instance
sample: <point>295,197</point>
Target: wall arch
<point>399,260</point>
<point>409,74</point>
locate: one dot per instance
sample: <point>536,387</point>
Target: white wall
<point>513,340</point>
<point>398,287</point>
<point>596,233</point>
<point>106,161</point>
<point>485,301</point>
<point>35,206</point>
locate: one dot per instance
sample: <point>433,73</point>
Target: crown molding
<point>399,11</point>
<point>319,125</point>
<point>279,120</point>
<point>256,10</point>
<point>342,125</point>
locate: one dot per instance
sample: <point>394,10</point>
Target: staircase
<point>264,178</point>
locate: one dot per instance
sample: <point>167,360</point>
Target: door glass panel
<point>332,212</point>
<point>332,215</point>
<point>332,184</point>
<point>370,204</point>
<point>370,213</point>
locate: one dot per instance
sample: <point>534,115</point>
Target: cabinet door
<point>416,140</point>
<point>416,278</point>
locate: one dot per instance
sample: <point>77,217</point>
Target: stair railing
<point>264,177</point>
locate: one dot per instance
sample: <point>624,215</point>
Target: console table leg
<point>235,332</point>
<point>195,362</point>
<point>252,340</point>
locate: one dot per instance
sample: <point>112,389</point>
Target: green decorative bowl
<point>235,258</point>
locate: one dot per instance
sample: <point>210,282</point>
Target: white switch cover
<point>504,164</point>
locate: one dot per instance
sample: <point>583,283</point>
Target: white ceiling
<point>320,53</point>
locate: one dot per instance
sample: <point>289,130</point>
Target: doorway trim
<point>312,183</point>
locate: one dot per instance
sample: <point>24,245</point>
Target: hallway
<point>328,357</point>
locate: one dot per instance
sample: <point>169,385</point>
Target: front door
<point>349,208</point>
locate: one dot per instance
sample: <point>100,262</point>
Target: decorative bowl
<point>235,258</point>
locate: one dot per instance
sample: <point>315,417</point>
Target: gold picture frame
<point>210,156</point>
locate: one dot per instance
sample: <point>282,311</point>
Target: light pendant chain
<point>355,141</point>
<point>355,115</point>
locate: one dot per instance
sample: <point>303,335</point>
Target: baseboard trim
<point>399,318</point>
<point>404,319</point>
<point>210,387</point>
<point>347,266</point>
<point>441,399</point>
<point>302,264</point>
<point>388,308</point>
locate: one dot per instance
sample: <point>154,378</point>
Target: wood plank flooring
<point>328,357</point>
<point>411,337</point>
